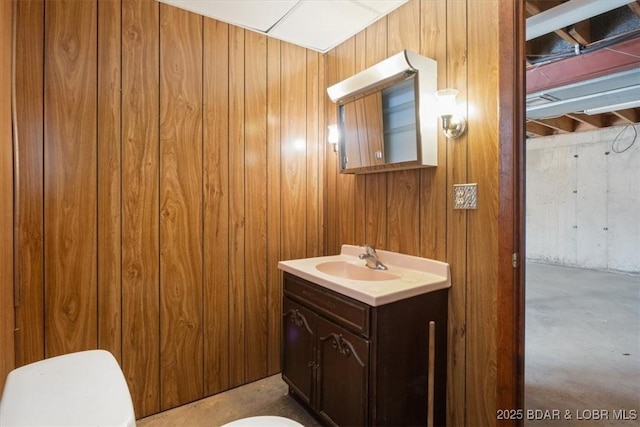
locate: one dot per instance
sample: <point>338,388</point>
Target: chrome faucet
<point>371,257</point>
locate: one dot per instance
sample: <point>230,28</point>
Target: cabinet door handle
<point>343,346</point>
<point>298,319</point>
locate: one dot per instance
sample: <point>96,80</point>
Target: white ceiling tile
<point>258,15</point>
<point>382,6</point>
<point>321,24</point>
<point>315,24</point>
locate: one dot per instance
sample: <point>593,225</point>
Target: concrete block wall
<point>583,199</point>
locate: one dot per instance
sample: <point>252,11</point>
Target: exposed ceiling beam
<point>630,115</point>
<point>538,129</point>
<point>562,123</point>
<point>619,57</point>
<point>568,13</point>
<point>594,121</point>
<point>534,8</point>
<point>581,31</point>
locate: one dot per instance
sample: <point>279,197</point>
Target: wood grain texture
<point>7,324</point>
<point>375,207</point>
<point>321,153</point>
<point>483,227</point>
<point>455,75</point>
<point>294,151</point>
<point>313,154</point>
<point>70,190</point>
<point>433,181</point>
<point>216,206</point>
<point>403,199</point>
<point>274,213</point>
<point>331,210</point>
<point>345,221</point>
<point>400,211</point>
<point>415,208</point>
<point>360,183</point>
<point>256,206</point>
<point>212,216</point>
<point>237,152</point>
<point>109,174</point>
<point>403,26</point>
<point>511,283</point>
<point>140,203</point>
<point>29,187</point>
<point>181,332</point>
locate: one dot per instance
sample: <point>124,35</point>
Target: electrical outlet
<point>465,196</point>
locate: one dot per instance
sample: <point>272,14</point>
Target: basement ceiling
<point>583,65</point>
<point>319,25</point>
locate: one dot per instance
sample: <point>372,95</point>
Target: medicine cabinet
<point>386,115</point>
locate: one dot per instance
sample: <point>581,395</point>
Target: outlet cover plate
<point>465,196</point>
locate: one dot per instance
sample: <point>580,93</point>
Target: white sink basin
<point>406,276</point>
<point>349,270</point>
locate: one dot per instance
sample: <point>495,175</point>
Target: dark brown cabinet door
<point>298,349</point>
<point>343,375</point>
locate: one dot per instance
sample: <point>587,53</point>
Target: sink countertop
<point>416,275</point>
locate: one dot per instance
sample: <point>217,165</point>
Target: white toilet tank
<point>78,389</point>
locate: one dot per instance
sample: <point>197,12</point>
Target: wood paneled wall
<point>412,211</point>
<point>166,163</point>
<point>7,361</point>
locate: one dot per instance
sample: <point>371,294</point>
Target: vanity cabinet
<point>356,365</point>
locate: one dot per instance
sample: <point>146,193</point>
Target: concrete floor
<point>582,356</point>
<point>268,396</point>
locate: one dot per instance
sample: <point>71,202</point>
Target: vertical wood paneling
<point>345,183</point>
<point>433,181</point>
<point>320,154</point>
<point>237,326</point>
<point>181,333</point>
<point>70,104</point>
<point>294,151</point>
<point>331,213</point>
<point>376,184</point>
<point>483,231</point>
<point>403,211</point>
<point>360,182</point>
<point>7,348</point>
<point>274,225</point>
<point>265,111</point>
<point>179,213</point>
<point>109,172</point>
<point>403,186</point>
<point>256,205</point>
<point>29,182</point>
<point>216,206</point>
<point>457,158</point>
<point>418,214</point>
<point>312,179</point>
<point>140,222</point>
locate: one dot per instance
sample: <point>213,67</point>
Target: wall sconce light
<point>333,137</point>
<point>453,123</point>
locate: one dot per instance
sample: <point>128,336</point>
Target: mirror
<point>360,124</point>
<point>388,121</point>
<point>379,128</point>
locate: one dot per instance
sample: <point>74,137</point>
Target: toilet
<point>86,388</point>
<point>263,421</point>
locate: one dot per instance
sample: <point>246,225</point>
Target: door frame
<point>511,271</point>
